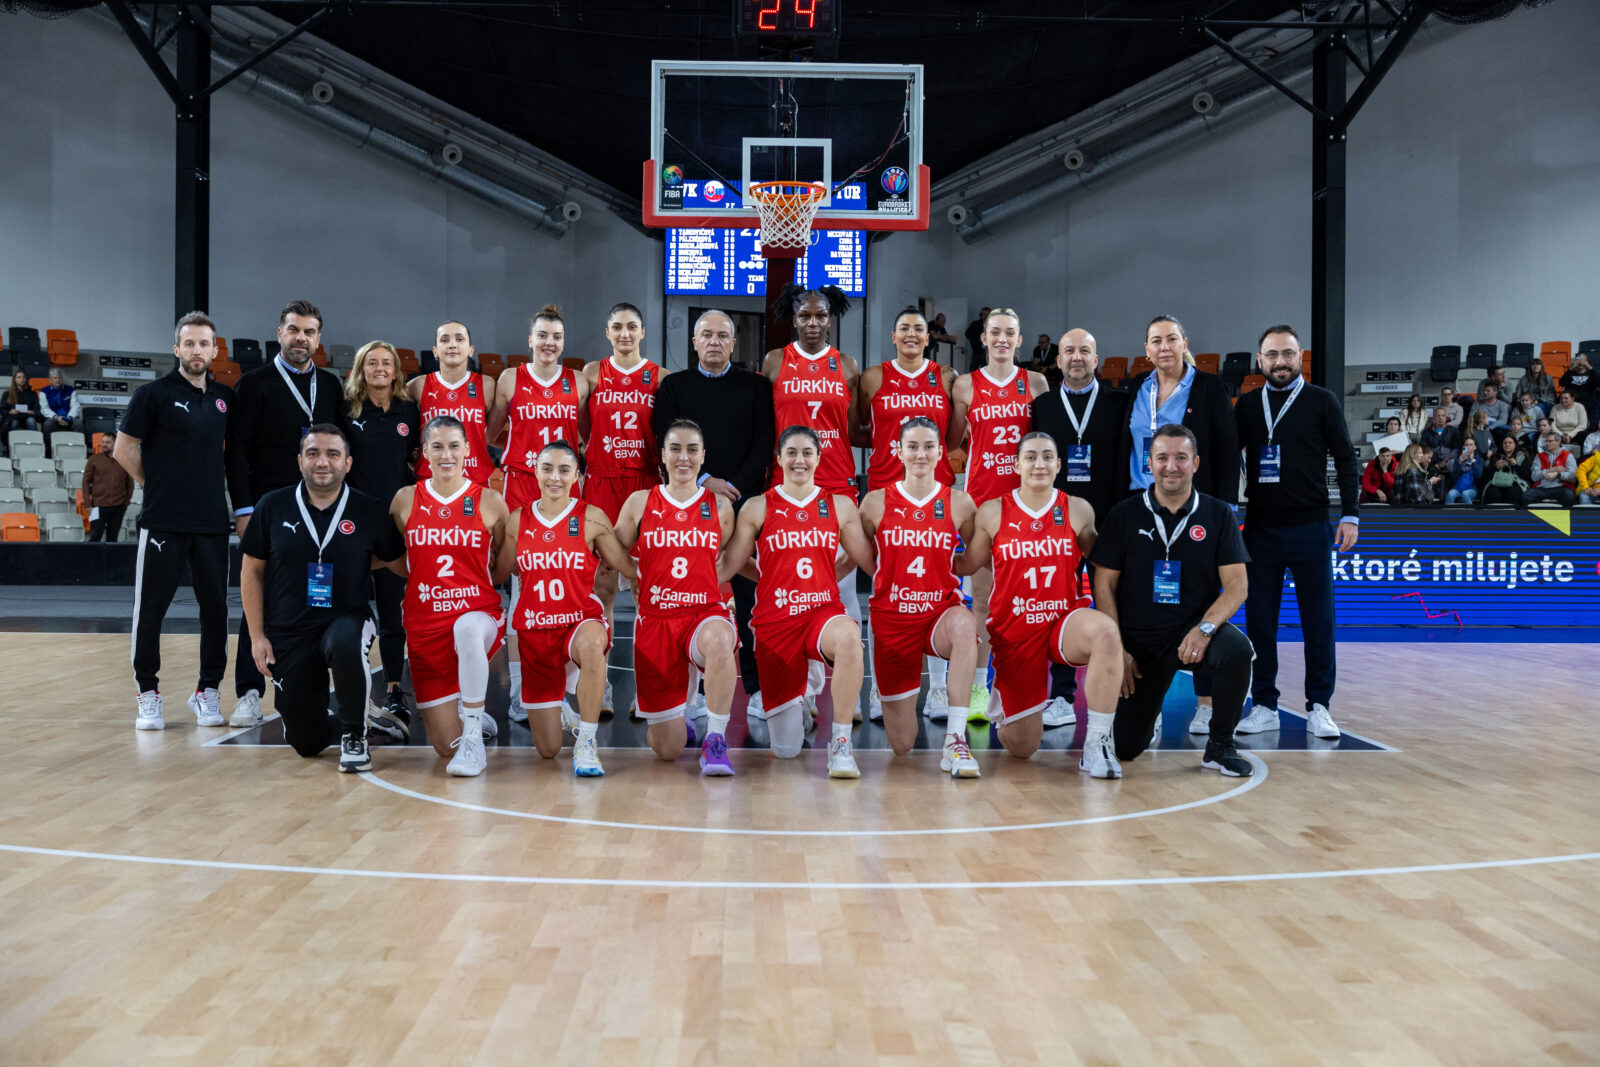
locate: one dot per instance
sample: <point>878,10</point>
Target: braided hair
<point>792,296</point>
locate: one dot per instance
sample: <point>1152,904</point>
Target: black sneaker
<point>393,723</point>
<point>1221,756</point>
<point>353,754</point>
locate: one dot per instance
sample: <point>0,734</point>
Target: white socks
<point>717,724</point>
<point>1099,724</point>
<point>841,731</point>
<point>586,730</point>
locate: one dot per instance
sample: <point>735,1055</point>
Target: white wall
<point>86,204</point>
<point>1474,208</point>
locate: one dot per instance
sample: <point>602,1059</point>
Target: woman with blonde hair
<point>385,431</point>
<point>1413,484</point>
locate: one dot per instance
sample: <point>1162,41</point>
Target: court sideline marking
<point>663,883</point>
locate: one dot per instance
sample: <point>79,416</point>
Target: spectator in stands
<point>1416,419</point>
<point>1442,438</point>
<point>107,489</point>
<point>1568,418</point>
<point>1496,377</point>
<point>1391,425</point>
<point>1377,481</point>
<point>1505,475</point>
<point>976,352</point>
<point>1527,407</point>
<point>1533,438</point>
<point>1591,444</point>
<point>1480,433</point>
<point>1580,382</point>
<point>1555,473</point>
<point>939,334</point>
<point>1589,480</point>
<point>1465,472</point>
<point>1448,405</point>
<point>59,405</point>
<point>21,407</point>
<point>1537,384</point>
<point>1414,485</point>
<point>1044,354</point>
<point>1490,404</point>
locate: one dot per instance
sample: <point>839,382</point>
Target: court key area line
<point>664,883</point>
<point>1244,787</point>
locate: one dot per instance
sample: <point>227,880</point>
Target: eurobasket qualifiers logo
<point>895,181</point>
<point>673,175</point>
<point>713,191</point>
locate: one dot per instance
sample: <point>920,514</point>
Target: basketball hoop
<point>787,210</point>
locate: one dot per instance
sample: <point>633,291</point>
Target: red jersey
<point>447,552</point>
<point>796,555</point>
<point>1036,560</point>
<point>902,396</point>
<point>812,392</point>
<point>677,552</point>
<point>538,414</point>
<point>1000,414</point>
<point>556,569</point>
<point>621,438</point>
<point>916,543</point>
<point>464,401</point>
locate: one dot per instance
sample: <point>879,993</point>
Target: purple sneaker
<point>693,739</point>
<point>714,761</point>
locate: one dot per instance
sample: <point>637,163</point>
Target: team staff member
<point>275,405</point>
<point>1288,429</point>
<point>172,444</point>
<point>1169,567</point>
<point>107,489</point>
<point>733,408</point>
<point>995,405</point>
<point>307,552</point>
<point>384,429</point>
<point>458,391</point>
<point>1086,421</point>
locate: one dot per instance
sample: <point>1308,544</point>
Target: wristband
<point>702,479</point>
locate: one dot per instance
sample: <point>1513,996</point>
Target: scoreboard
<point>719,262</point>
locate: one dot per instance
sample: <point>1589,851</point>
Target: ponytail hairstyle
<point>792,296</point>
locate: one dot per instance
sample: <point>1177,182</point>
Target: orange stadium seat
<point>222,348</point>
<point>99,440</point>
<point>1306,363</point>
<point>1556,357</point>
<point>62,346</point>
<point>226,372</point>
<point>408,360</point>
<point>497,480</point>
<point>1210,362</point>
<point>1114,369</point>
<point>19,526</point>
<point>518,360</point>
<point>37,384</point>
<point>577,363</point>
<point>1253,381</point>
<point>1140,365</point>
<point>491,364</point>
<point>320,356</point>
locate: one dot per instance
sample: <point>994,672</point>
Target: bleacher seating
<point>68,446</point>
<point>270,350</point>
<point>1445,363</point>
<point>99,420</point>
<point>1140,365</point>
<point>222,348</point>
<point>518,360</point>
<point>1235,365</point>
<point>63,527</point>
<point>1556,357</point>
<point>1517,354</point>
<point>62,346</point>
<point>1113,369</point>
<point>1252,381</point>
<point>247,353</point>
<point>408,361</point>
<point>1210,362</point>
<point>341,356</point>
<point>8,479</point>
<point>19,526</point>
<point>1590,349</point>
<point>12,498</point>
<point>226,373</point>
<point>1481,356</point>
<point>1307,361</point>
<point>427,362</point>
<point>25,443</point>
<point>320,356</point>
<point>491,364</point>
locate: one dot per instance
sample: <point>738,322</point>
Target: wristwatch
<point>1207,629</point>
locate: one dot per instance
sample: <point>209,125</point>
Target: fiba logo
<point>895,181</point>
<point>673,175</point>
<point>713,191</point>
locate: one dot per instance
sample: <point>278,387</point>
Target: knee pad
<point>787,732</point>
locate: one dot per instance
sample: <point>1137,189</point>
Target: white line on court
<point>661,883</point>
<point>1244,787</point>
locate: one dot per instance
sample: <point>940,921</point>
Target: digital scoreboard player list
<point>719,262</point>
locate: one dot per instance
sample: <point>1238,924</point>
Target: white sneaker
<point>585,760</point>
<point>569,718</point>
<point>1155,732</point>
<point>608,702</point>
<point>1201,723</point>
<point>204,703</point>
<point>1320,723</point>
<point>149,716</point>
<point>875,704</point>
<point>519,714</point>
<point>470,759</point>
<point>246,711</point>
<point>1058,713</point>
<point>1099,759</point>
<point>841,762</point>
<point>957,758</point>
<point>754,710</point>
<point>1261,719</point>
<point>937,707</point>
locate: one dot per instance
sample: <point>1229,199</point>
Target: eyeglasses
<point>1287,355</point>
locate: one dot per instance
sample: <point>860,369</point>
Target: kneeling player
<point>684,628</point>
<point>801,534</point>
<point>555,544</point>
<point>1036,537</point>
<point>916,603</point>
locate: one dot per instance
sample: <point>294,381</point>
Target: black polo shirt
<point>382,443</point>
<point>181,430</point>
<point>1130,542</point>
<point>277,534</point>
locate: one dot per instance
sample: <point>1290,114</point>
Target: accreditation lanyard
<point>298,399</point>
<point>1266,408</point>
<point>1161,527</point>
<point>1088,409</point>
<point>333,523</point>
<point>1269,470</point>
<point>1078,456</point>
<point>1166,577</point>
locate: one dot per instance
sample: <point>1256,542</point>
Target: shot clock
<point>787,18</point>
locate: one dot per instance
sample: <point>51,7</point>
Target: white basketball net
<point>786,210</point>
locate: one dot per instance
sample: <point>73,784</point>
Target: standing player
<point>622,455</point>
<point>1035,538</point>
<point>457,391</point>
<point>675,531</point>
<point>453,527</point>
<point>913,526</point>
<point>555,544</point>
<point>995,402</point>
<point>803,536</point>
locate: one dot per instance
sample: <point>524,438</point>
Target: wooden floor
<point>177,902</point>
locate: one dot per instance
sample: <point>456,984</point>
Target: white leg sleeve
<point>938,671</point>
<point>852,599</point>
<point>475,634</point>
<point>787,732</point>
